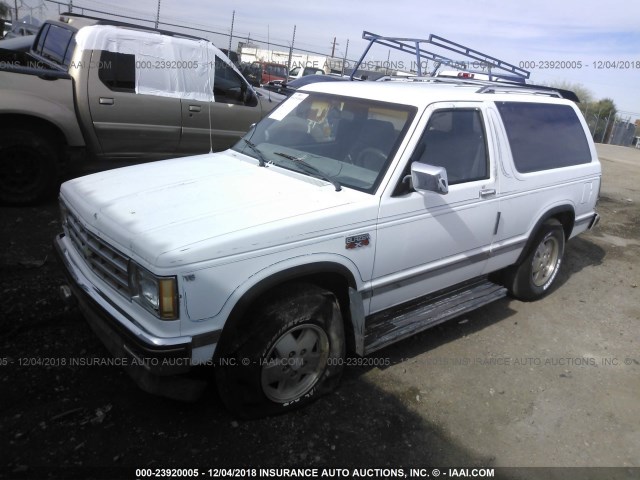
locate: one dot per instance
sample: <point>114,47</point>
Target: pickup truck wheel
<point>293,354</point>
<point>534,276</point>
<point>28,167</point>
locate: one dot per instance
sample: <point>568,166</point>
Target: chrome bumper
<point>156,364</point>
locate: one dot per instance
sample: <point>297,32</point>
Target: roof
<point>424,93</point>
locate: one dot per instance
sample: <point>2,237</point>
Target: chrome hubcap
<point>545,261</point>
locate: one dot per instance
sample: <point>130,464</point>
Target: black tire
<point>29,164</point>
<point>534,276</point>
<point>292,354</point>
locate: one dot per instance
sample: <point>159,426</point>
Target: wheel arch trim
<point>64,123</point>
<point>316,269</point>
<point>564,213</point>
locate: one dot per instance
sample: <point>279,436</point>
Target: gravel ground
<point>547,384</point>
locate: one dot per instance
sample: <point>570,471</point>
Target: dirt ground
<point>553,383</point>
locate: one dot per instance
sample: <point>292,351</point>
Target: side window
<point>277,71</point>
<point>42,37</point>
<point>118,71</point>
<point>228,86</point>
<point>70,49</point>
<point>455,139</point>
<point>56,44</point>
<point>544,136</point>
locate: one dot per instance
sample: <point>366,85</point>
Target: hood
<point>204,207</point>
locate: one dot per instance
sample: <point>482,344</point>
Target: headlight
<point>157,294</point>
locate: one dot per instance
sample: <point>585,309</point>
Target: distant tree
<point>605,113</point>
<point>5,10</point>
<point>583,93</point>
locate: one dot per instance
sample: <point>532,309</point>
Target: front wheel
<point>532,279</point>
<point>292,355</point>
<point>28,167</point>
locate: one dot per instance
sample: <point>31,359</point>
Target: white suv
<point>354,215</point>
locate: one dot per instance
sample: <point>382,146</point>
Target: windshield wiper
<point>253,147</point>
<point>310,169</point>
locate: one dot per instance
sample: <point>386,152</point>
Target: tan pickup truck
<point>96,92</point>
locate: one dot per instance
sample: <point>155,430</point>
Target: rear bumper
<point>156,364</point>
<point>584,223</point>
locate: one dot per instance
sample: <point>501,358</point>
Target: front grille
<point>103,259</point>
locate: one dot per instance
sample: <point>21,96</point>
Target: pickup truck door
<point>428,241</point>
<point>219,124</point>
<point>128,124</point>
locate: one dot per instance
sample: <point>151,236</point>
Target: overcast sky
<point>602,34</point>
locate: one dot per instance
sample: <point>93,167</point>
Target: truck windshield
<point>348,141</point>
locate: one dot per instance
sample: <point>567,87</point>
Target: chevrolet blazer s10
<point>354,215</point>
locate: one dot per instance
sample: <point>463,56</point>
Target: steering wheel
<point>371,158</point>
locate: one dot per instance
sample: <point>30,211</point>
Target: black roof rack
<point>117,23</point>
<point>486,86</point>
<point>530,88</point>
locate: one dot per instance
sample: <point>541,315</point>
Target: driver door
<point>428,241</point>
<point>219,124</point>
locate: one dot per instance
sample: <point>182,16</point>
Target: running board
<point>390,326</point>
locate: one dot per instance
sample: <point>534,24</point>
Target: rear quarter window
<point>544,136</point>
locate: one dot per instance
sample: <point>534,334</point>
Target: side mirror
<point>250,98</point>
<point>429,178</point>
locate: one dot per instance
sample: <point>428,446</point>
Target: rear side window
<point>118,71</point>
<point>544,136</point>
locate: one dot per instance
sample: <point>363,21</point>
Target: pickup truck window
<point>455,139</point>
<point>228,86</point>
<point>565,141</point>
<point>41,37</point>
<point>117,71</point>
<point>56,44</point>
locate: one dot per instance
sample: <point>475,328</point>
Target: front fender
<point>29,96</point>
<point>217,293</point>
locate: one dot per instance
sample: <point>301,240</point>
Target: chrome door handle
<point>195,108</point>
<point>106,101</point>
<point>487,192</point>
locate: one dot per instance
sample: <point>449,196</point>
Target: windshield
<point>276,70</point>
<point>346,141</point>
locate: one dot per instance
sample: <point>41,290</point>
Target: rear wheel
<point>533,278</point>
<point>292,355</point>
<point>28,167</point>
